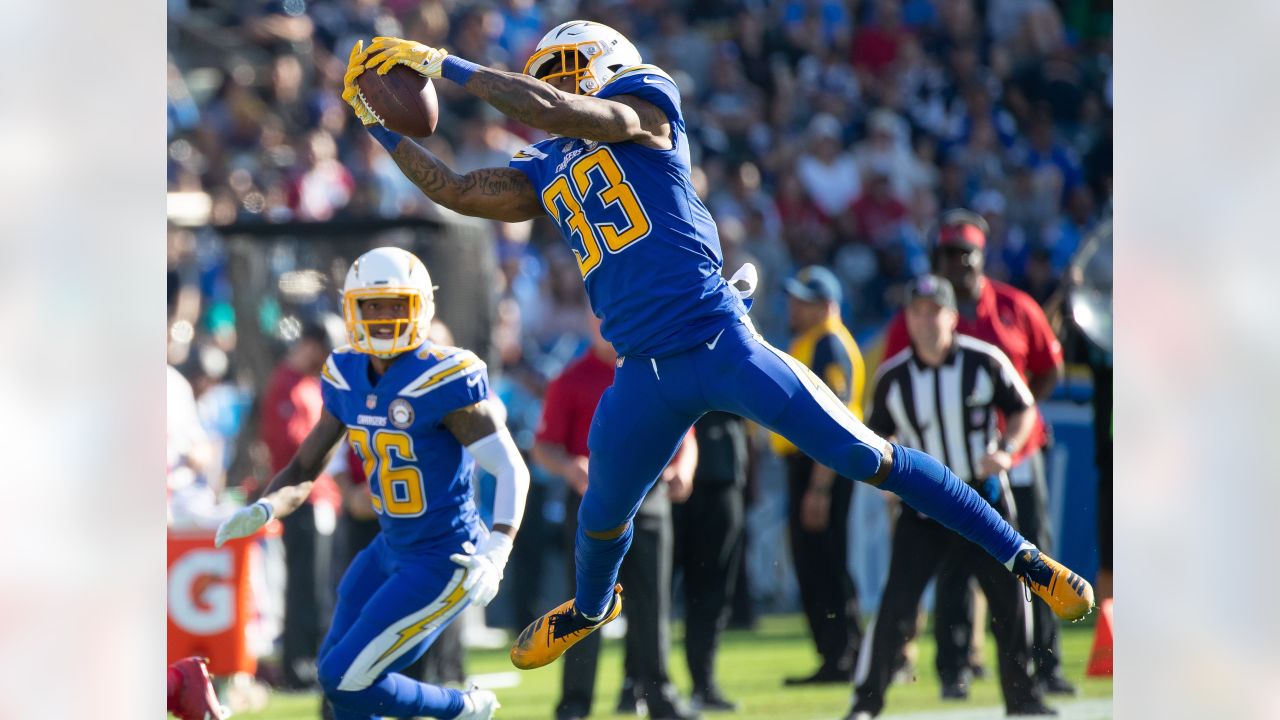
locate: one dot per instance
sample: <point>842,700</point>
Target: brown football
<point>404,100</point>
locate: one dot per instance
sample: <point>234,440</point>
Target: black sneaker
<point>1056,685</point>
<point>825,675</point>
<point>572,711</point>
<point>711,700</point>
<point>955,691</point>
<point>663,708</point>
<point>627,699</point>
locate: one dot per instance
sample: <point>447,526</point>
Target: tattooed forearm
<point>517,96</point>
<point>494,193</point>
<point>535,103</point>
<point>428,172</point>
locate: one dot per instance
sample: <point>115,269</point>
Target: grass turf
<point>751,667</point>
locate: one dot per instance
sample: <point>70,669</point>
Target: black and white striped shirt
<point>948,411</point>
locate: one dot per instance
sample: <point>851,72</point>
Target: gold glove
<point>424,60</point>
<point>350,92</point>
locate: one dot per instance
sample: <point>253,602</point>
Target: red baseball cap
<point>962,235</point>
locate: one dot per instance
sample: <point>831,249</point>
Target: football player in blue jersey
<point>420,417</point>
<point>615,177</point>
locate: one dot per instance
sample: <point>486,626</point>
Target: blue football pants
<point>391,607</point>
<point>642,417</point>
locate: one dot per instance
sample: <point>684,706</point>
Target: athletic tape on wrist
<point>458,70</point>
<point>386,138</point>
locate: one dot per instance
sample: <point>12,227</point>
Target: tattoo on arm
<point>494,193</point>
<point>535,103</point>
<point>475,422</point>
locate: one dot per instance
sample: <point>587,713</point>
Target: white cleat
<point>480,705</point>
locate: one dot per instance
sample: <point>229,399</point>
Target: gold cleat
<point>548,637</point>
<point>1067,594</point>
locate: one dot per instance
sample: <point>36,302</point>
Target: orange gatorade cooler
<point>210,599</point>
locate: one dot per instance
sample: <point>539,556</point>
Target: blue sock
<point>928,486</point>
<point>597,569</point>
<point>400,696</point>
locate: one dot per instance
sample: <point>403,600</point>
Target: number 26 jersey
<point>419,474</point>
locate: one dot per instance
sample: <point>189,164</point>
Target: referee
<point>941,395</point>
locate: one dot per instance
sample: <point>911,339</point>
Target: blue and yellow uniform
<point>638,203</point>
<point>402,590</point>
<point>650,257</point>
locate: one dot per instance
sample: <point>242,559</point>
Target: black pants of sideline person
<point>708,546</point>
<point>953,621</point>
<point>646,580</point>
<point>827,590</point>
<point>308,595</point>
<point>920,546</point>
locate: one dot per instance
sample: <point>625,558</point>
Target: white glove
<point>484,568</point>
<point>245,522</point>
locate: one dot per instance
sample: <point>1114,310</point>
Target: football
<point>402,99</point>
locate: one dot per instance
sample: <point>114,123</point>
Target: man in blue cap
<point>818,512</point>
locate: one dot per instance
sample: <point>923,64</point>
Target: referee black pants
<point>953,620</point>
<point>821,559</point>
<point>920,547</point>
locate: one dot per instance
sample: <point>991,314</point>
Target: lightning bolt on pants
<point>390,609</point>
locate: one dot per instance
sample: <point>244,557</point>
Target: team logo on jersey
<point>401,413</point>
<point>371,402</point>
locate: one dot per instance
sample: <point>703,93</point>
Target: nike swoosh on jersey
<point>712,345</point>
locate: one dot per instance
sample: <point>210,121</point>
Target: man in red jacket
<point>291,406</point>
<point>1011,320</point>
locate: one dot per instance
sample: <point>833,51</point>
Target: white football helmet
<point>589,52</point>
<point>388,272</point>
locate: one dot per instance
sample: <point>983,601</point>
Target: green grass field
<point>751,668</point>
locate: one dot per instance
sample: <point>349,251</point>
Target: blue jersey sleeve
<point>457,382</point>
<point>530,160</point>
<point>333,383</point>
<point>471,389</point>
<point>649,83</point>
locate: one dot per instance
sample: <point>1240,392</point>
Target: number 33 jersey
<point>419,474</point>
<point>646,246</point>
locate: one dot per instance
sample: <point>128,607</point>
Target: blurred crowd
<point>822,132</point>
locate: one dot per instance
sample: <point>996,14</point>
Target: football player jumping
<point>417,413</point>
<point>615,179</point>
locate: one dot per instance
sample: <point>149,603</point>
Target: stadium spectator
<point>290,407</point>
<point>829,175</point>
<point>561,447</point>
<point>819,501</point>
